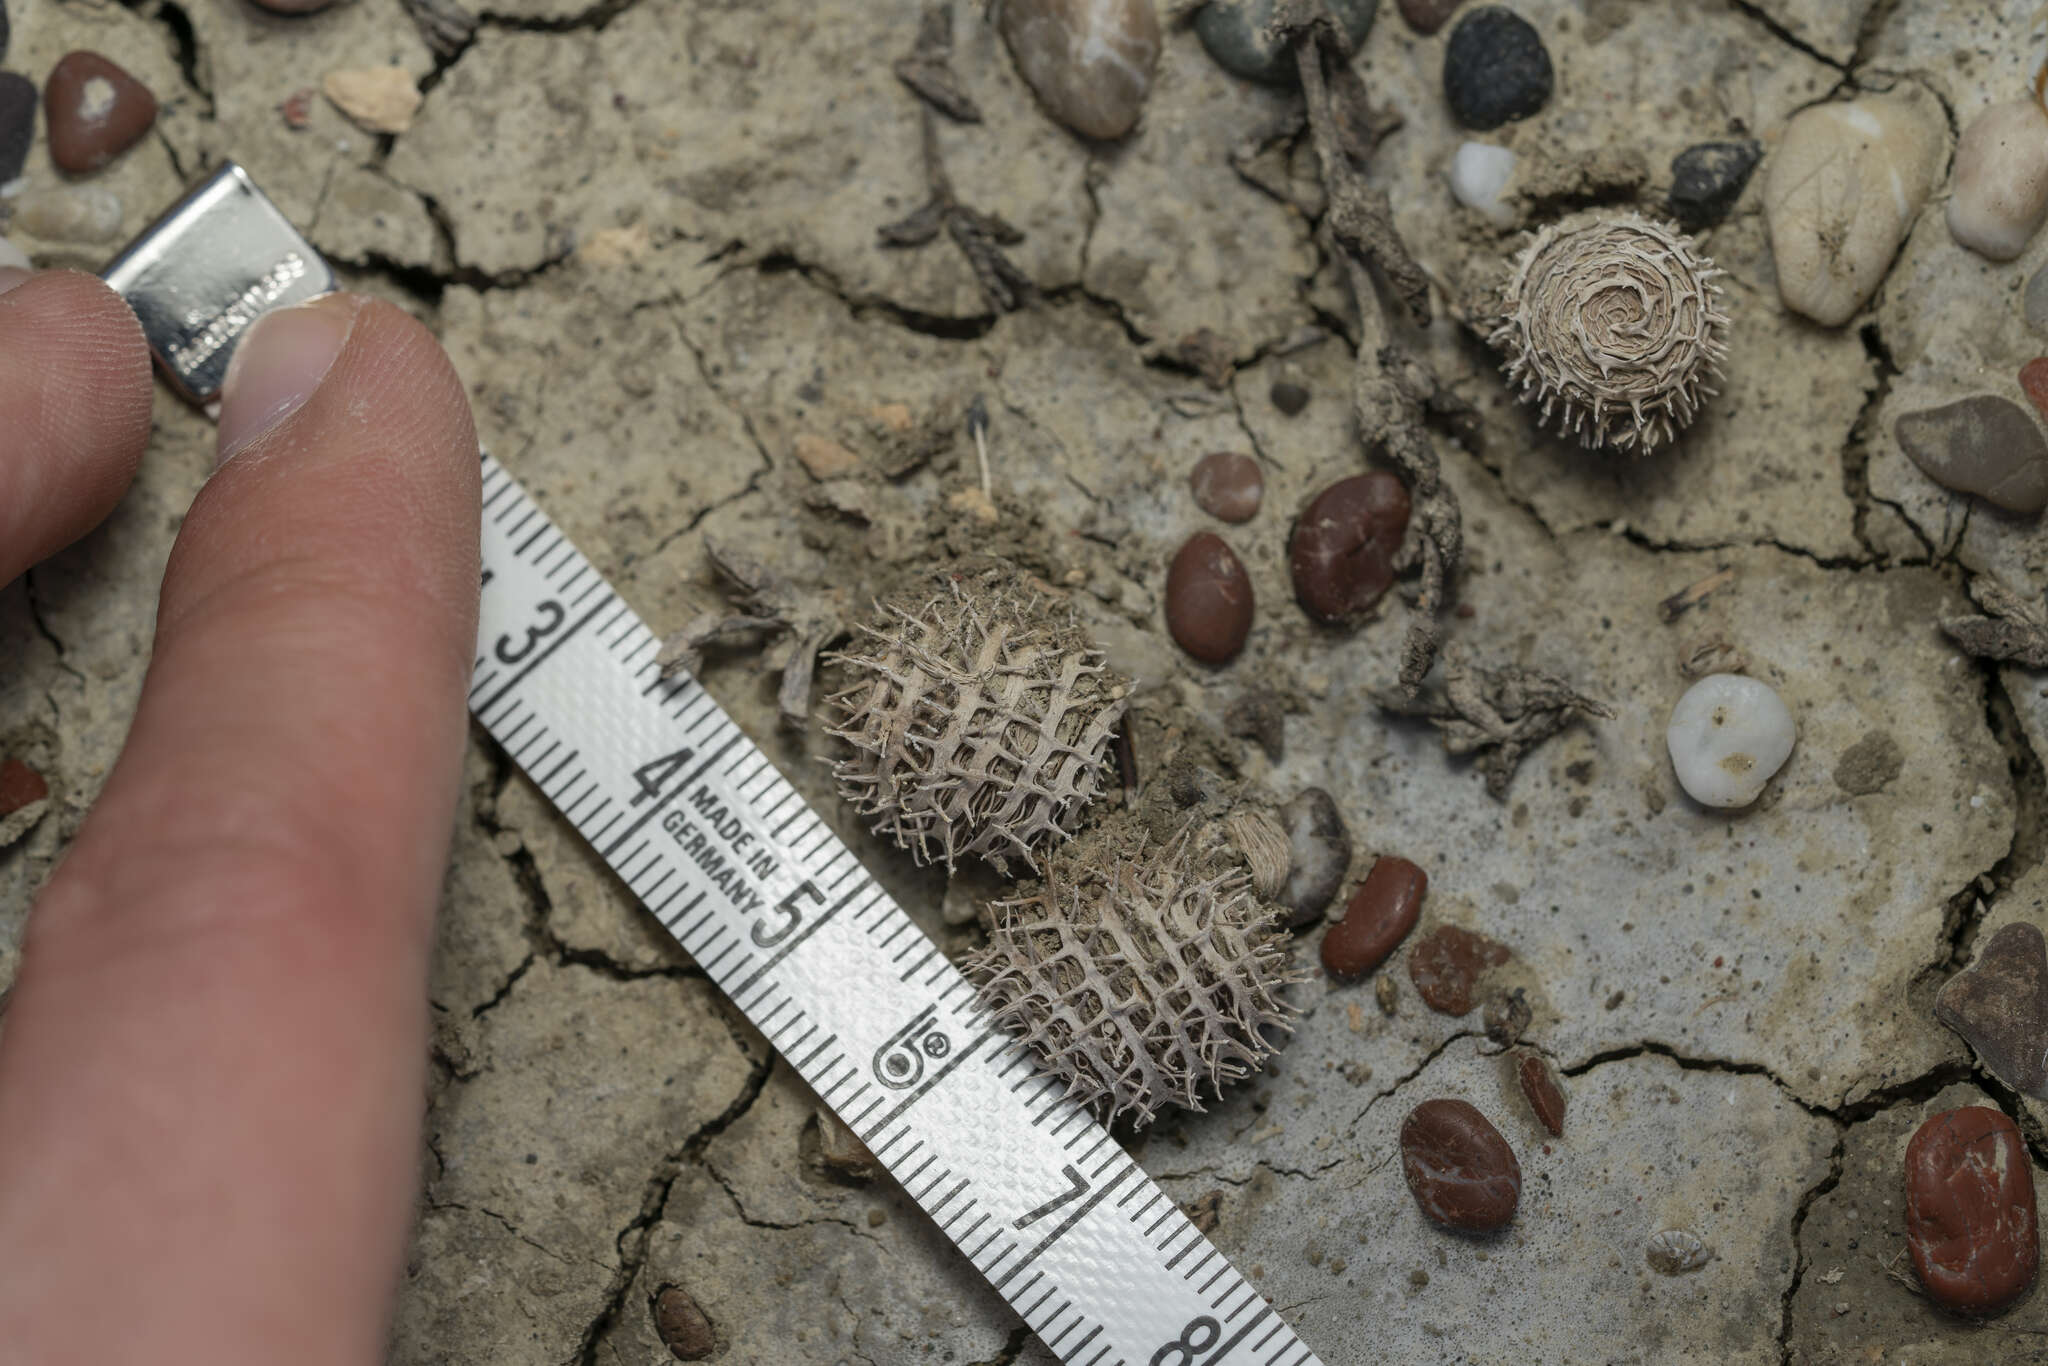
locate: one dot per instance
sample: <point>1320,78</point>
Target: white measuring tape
<point>1100,1263</point>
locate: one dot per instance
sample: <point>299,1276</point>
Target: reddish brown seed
<point>1446,966</point>
<point>1461,1171</point>
<point>95,111</point>
<point>2034,379</point>
<point>20,786</point>
<point>1970,1210</point>
<point>1342,555</point>
<point>1540,1088</point>
<point>1228,486</point>
<point>1208,599</point>
<point>1427,16</point>
<point>1381,912</point>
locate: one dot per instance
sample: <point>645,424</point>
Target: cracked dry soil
<point>647,232</point>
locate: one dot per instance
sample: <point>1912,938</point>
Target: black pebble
<point>17,123</point>
<point>1707,179</point>
<point>1495,69</point>
<point>1289,397</point>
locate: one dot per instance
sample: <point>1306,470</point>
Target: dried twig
<point>2015,630</point>
<point>1390,388</point>
<point>1693,594</point>
<point>928,70</point>
<point>1497,714</point>
<point>812,619</point>
<point>980,236</point>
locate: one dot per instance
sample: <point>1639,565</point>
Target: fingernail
<point>278,365</point>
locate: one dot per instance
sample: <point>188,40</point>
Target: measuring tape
<point>1100,1263</point>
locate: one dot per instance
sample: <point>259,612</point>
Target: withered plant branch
<point>928,70</point>
<point>980,236</point>
<point>770,604</point>
<point>1390,389</point>
<point>2014,630</point>
<point>1497,714</point>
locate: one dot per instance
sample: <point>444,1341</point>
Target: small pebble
<point>1382,911</point>
<point>1675,1251</point>
<point>1727,736</point>
<point>1478,173</point>
<point>294,6</point>
<point>2034,384</point>
<point>95,111</point>
<point>1706,180</point>
<point>1342,552</point>
<point>13,257</point>
<point>1208,599</point>
<point>1843,187</point>
<point>2000,192</point>
<point>1869,765</point>
<point>24,797</point>
<point>1999,1004</point>
<point>2034,303</point>
<point>841,1152</point>
<point>822,456</point>
<point>1090,62</point>
<point>1228,486</point>
<point>1506,1016</point>
<point>1447,963</point>
<point>1461,1171</point>
<point>17,123</point>
<point>297,107</point>
<point>1496,69</point>
<point>69,213</point>
<point>1387,994</point>
<point>682,1326</point>
<point>1970,1210</point>
<point>1238,35</point>
<point>1427,16</point>
<point>1540,1089</point>
<point>1290,398</point>
<point>378,99</point>
<point>1986,445</point>
<point>1319,852</point>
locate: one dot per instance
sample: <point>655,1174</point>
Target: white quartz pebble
<point>13,256</point>
<point>2001,190</point>
<point>1478,173</point>
<point>1728,735</point>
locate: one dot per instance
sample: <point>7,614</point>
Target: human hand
<point>212,1063</point>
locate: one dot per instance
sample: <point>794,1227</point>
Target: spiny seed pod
<point>979,717</point>
<point>1140,975</point>
<point>1616,325</point>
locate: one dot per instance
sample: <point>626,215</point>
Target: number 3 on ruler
<point>552,618</point>
<point>1181,1351</point>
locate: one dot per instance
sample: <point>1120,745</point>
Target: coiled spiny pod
<point>979,716</point>
<point>1616,326</point>
<point>1142,974</point>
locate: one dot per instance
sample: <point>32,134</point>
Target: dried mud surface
<point>646,232</point>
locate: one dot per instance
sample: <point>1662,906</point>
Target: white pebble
<point>11,255</point>
<point>1478,173</point>
<point>2001,191</point>
<point>1728,735</point>
<point>1842,191</point>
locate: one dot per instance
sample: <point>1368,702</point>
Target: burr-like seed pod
<point>979,716</point>
<point>1143,974</point>
<point>1614,326</point>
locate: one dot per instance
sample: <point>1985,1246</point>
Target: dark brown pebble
<point>17,123</point>
<point>1228,486</point>
<point>1970,1210</point>
<point>1289,397</point>
<point>683,1328</point>
<point>1208,599</point>
<point>1447,963</point>
<point>1342,554</point>
<point>1540,1088</point>
<point>1462,1172</point>
<point>95,111</point>
<point>2000,1004</point>
<point>1427,16</point>
<point>20,786</point>
<point>1382,911</point>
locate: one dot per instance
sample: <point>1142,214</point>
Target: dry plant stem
<point>1390,389</point>
<point>2015,630</point>
<point>928,70</point>
<point>767,603</point>
<point>1497,714</point>
<point>980,236</point>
